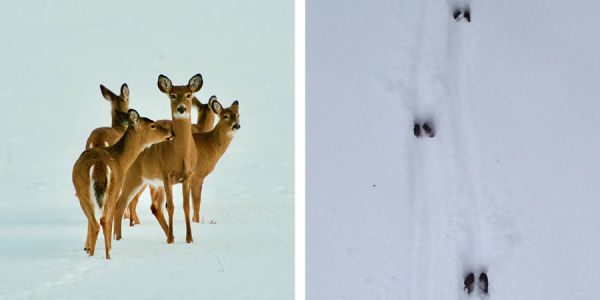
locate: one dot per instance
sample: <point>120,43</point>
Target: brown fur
<point>118,158</point>
<point>206,122</point>
<point>170,162</point>
<point>206,117</point>
<point>103,136</point>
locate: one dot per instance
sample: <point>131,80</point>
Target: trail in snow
<point>483,219</point>
<point>450,210</point>
<point>508,184</point>
<point>428,107</point>
<point>427,103</point>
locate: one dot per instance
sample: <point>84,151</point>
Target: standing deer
<point>98,173</point>
<point>210,146</point>
<point>206,122</point>
<point>107,136</point>
<point>167,163</point>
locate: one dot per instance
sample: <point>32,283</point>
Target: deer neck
<point>221,138</point>
<point>206,120</point>
<point>128,148</point>
<point>116,124</point>
<point>183,140</point>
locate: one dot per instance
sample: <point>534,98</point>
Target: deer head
<point>181,96</point>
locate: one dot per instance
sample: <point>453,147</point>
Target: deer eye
<point>173,97</point>
<point>153,126</point>
<point>189,95</point>
<point>226,117</point>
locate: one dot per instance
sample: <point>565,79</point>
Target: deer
<point>167,163</point>
<point>99,172</point>
<point>210,146</point>
<point>206,121</point>
<point>107,136</point>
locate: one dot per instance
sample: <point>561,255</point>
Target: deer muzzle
<point>181,112</point>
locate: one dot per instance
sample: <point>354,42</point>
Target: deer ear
<point>125,91</point>
<point>216,106</point>
<point>195,83</point>
<point>123,117</point>
<point>134,117</point>
<point>210,103</point>
<point>107,94</point>
<point>235,103</point>
<point>164,84</point>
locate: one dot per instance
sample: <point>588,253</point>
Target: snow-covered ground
<point>509,185</point>
<point>54,57</point>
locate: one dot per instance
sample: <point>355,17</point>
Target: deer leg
<point>196,192</point>
<point>110,231</point>
<point>158,199</point>
<point>154,190</point>
<point>133,218</point>
<point>186,211</point>
<point>93,227</point>
<point>131,186</point>
<point>94,237</point>
<point>88,238</point>
<point>170,209</point>
<point>107,234</point>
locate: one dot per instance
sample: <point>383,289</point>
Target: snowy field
<point>54,57</point>
<point>508,186</point>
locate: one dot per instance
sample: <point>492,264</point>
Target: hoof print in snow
<point>467,14</point>
<point>417,130</point>
<point>469,283</point>
<point>483,283</point>
<point>456,14</point>
<point>428,131</point>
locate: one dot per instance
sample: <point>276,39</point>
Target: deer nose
<point>237,126</point>
<point>181,109</point>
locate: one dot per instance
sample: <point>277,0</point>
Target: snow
<point>55,56</point>
<point>509,184</point>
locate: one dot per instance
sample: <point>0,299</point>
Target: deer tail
<point>99,181</point>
